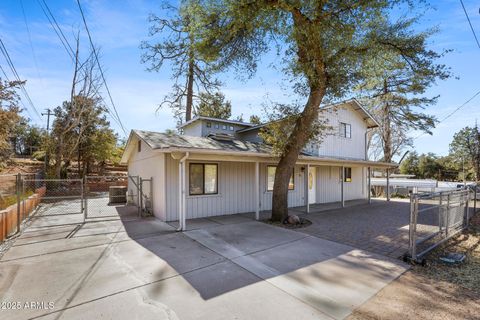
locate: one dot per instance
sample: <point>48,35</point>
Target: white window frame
<point>345,130</point>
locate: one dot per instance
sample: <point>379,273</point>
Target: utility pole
<point>47,158</point>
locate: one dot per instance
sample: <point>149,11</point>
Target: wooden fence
<point>9,216</point>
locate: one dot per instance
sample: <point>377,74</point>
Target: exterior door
<point>312,185</point>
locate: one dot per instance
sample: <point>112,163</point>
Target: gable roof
<point>246,124</point>
<point>356,105</point>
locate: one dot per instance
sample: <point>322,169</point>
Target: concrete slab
<point>226,291</point>
<point>330,277</point>
<point>236,240</point>
<point>194,224</point>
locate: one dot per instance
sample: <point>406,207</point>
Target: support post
<point>369,183</point>
<point>141,196</point>
<point>388,184</point>
<point>307,188</point>
<point>343,186</point>
<point>184,200</point>
<point>138,197</point>
<point>257,191</point>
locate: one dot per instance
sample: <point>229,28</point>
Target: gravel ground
<point>437,291</point>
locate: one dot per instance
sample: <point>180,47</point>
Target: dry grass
<point>466,274</point>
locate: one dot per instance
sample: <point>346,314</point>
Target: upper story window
<point>347,174</point>
<point>231,128</point>
<point>209,124</point>
<point>345,130</point>
<point>139,146</point>
<point>271,178</point>
<point>216,126</point>
<point>224,126</point>
<point>203,178</point>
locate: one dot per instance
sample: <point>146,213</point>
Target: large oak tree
<point>323,46</point>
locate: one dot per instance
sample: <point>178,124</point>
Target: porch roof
<point>230,150</point>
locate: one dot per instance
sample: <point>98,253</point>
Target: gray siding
<point>236,187</point>
<point>329,184</point>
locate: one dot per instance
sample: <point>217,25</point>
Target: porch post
<point>257,190</point>
<point>180,196</point>
<point>343,186</point>
<point>184,197</point>
<point>307,189</point>
<point>388,184</point>
<point>369,183</point>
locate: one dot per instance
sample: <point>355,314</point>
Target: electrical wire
<point>470,23</point>
<point>100,66</point>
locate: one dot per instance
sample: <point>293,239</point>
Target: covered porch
<point>242,185</point>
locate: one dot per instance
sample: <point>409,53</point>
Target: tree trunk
<point>190,76</point>
<point>387,129</point>
<point>296,142</point>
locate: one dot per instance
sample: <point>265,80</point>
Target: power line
<point>470,23</point>
<point>100,67</point>
<point>4,51</point>
<point>66,44</point>
<point>453,112</point>
<point>53,23</point>
<point>29,38</point>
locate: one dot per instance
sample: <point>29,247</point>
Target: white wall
<point>333,145</point>
<point>329,184</point>
<point>236,187</point>
<point>149,164</point>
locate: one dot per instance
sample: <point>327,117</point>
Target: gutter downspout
<point>181,192</point>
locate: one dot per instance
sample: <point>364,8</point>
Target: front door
<point>312,185</point>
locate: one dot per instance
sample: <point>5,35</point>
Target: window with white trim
<point>271,178</point>
<point>345,130</point>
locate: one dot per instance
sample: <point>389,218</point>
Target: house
<point>222,167</point>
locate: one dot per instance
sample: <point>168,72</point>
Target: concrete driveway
<point>230,268</point>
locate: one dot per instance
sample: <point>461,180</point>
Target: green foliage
<point>465,148</point>
<point>81,132</point>
<point>393,86</point>
<point>255,119</point>
<point>9,116</point>
<point>214,106</point>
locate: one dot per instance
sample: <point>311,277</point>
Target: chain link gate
<point>105,196</point>
<point>140,194</point>
<point>435,218</point>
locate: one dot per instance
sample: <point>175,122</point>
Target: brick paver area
<point>380,227</point>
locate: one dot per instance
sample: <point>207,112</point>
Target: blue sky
<point>118,27</point>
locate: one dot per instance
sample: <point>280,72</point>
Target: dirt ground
<point>437,291</point>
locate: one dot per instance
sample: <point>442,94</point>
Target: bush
<point>39,155</point>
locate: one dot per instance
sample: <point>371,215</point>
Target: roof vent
<point>221,136</point>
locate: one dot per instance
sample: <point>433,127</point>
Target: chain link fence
<point>105,195</point>
<point>436,217</point>
<point>64,201</point>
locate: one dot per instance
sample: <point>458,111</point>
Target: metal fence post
<point>413,226</point>
<point>18,178</point>
<point>141,196</point>
<point>447,218</point>
<point>475,199</point>
<point>83,198</point>
<point>467,208</point>
<point>440,209</point>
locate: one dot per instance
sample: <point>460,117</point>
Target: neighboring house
<point>221,167</point>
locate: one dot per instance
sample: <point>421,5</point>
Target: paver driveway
<point>231,268</point>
